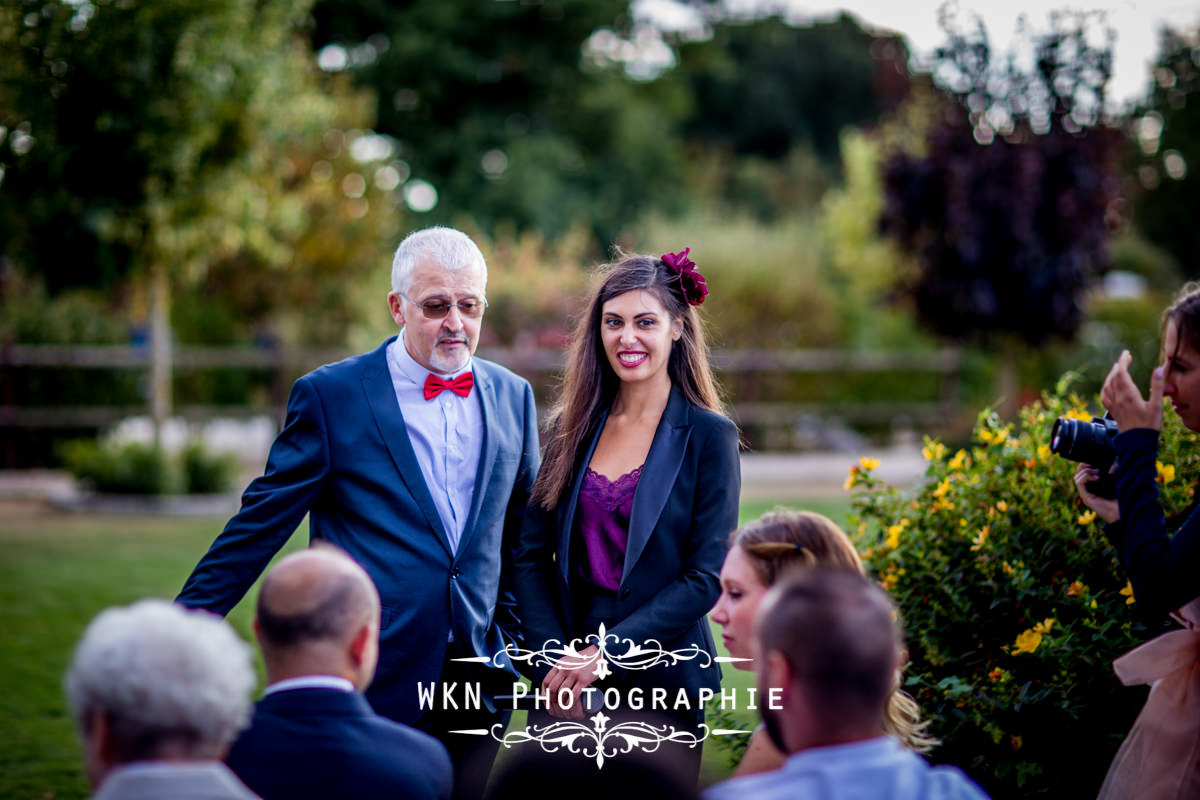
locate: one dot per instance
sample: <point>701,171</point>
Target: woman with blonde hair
<point>759,553</point>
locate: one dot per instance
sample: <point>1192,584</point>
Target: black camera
<point>1089,443</point>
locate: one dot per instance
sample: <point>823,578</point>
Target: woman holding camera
<point>1160,757</point>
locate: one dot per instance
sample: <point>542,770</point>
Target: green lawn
<point>58,571</point>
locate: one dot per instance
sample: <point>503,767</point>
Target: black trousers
<point>471,755</point>
<point>593,608</point>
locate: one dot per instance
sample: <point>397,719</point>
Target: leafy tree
<point>1005,206</point>
<point>497,106</point>
<point>161,141</point>
<point>1166,129</point>
<point>765,87</point>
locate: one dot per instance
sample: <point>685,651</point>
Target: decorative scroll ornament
<point>597,740</point>
<point>635,656</point>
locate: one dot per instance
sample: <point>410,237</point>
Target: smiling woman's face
<point>637,333</point>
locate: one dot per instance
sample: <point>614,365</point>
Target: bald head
<point>837,633</point>
<point>313,605</point>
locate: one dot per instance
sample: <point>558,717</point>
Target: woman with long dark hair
<point>1159,758</point>
<point>637,493</point>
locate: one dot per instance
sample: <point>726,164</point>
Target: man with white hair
<point>416,459</point>
<point>159,693</point>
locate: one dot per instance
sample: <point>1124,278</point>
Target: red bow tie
<point>461,385</point>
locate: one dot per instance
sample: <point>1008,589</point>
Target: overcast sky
<point>1136,23</point>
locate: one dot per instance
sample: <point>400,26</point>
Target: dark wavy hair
<point>589,383</point>
<point>1185,313</point>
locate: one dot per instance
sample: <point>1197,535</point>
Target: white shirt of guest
<point>873,768</point>
<point>446,434</point>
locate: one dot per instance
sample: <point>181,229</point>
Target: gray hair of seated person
<point>450,248</point>
<point>164,677</point>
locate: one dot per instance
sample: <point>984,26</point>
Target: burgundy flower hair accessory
<point>691,282</point>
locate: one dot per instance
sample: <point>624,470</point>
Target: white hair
<point>161,673</point>
<point>451,249</point>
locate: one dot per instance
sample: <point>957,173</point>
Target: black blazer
<point>326,744</point>
<point>684,507</point>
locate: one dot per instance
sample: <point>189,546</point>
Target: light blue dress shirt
<point>446,434</point>
<point>875,768</point>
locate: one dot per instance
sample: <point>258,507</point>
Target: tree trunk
<point>1008,382</point>
<point>160,350</point>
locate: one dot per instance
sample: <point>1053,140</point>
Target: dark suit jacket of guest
<point>344,458</point>
<point>326,744</point>
<point>684,507</point>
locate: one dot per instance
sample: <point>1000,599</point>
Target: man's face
<point>439,345</point>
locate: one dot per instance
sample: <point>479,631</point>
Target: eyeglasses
<point>438,309</point>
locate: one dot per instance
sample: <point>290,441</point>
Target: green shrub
<point>131,468</point>
<point>137,468</point>
<point>205,472</point>
<point>1013,600</point>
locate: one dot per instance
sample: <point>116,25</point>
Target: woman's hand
<point>1123,400</point>
<point>574,679</point>
<point>1105,509</point>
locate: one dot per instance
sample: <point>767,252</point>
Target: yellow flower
<point>1008,568</point>
<point>996,675</point>
<point>1079,413</point>
<point>942,488</point>
<point>1043,451</point>
<point>933,450</point>
<point>1027,642</point>
<point>1002,506</point>
<point>1076,589</point>
<point>1092,604</point>
<point>1166,472</point>
<point>868,464</point>
<point>1087,518</point>
<point>1128,592</point>
<point>959,460</point>
<point>981,539</point>
<point>852,478</point>
<point>1030,640</point>
<point>893,535</point>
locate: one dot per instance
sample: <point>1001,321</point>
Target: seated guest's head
<point>759,553</point>
<point>318,614</point>
<point>156,682</point>
<point>829,641</point>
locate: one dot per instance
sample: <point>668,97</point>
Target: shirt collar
<point>310,682</point>
<point>409,368</point>
<point>880,746</point>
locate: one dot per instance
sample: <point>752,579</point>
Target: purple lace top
<point>602,528</point>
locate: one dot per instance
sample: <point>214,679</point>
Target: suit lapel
<point>657,478</point>
<point>566,516</point>
<point>487,455</point>
<point>381,397</point>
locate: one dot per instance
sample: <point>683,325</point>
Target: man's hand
<point>1123,400</point>
<point>563,677</point>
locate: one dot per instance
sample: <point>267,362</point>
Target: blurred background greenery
<point>199,200</point>
<point>235,173</point>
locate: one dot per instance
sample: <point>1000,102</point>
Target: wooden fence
<point>742,371</point>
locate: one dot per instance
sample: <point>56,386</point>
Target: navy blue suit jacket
<point>326,744</point>
<point>345,459</point>
<point>684,507</point>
